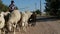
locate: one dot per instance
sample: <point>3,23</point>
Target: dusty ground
<point>44,27</point>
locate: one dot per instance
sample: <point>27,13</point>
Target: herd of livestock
<point>11,21</point>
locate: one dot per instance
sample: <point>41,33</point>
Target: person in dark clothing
<point>11,6</point>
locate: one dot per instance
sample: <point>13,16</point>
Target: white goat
<point>13,19</point>
<point>2,21</point>
<point>25,16</point>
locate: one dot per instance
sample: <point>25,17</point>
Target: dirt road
<point>45,27</point>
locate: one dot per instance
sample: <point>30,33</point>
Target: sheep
<point>24,20</point>
<point>2,21</point>
<point>13,19</point>
<point>6,16</point>
<point>32,19</point>
<point>28,14</point>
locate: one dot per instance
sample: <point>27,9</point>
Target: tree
<point>3,7</point>
<point>52,7</point>
<point>38,11</point>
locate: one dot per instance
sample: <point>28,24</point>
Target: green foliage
<point>3,7</point>
<point>52,7</point>
<point>38,12</point>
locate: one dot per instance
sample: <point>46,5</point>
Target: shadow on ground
<point>47,19</point>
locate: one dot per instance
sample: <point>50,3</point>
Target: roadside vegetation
<point>52,7</point>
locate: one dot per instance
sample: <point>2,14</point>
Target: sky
<point>26,4</point>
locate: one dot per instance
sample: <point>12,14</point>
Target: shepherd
<point>11,6</point>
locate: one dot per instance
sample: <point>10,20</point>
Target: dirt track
<point>45,27</point>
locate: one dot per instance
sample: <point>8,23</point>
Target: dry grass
<point>47,27</point>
